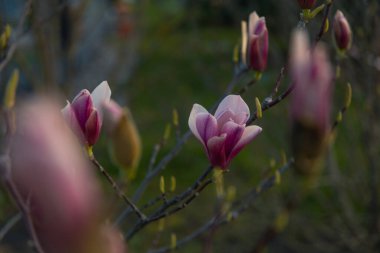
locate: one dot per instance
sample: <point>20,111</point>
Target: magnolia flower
<point>310,104</point>
<point>54,179</point>
<point>257,42</point>
<point>84,116</point>
<point>224,134</point>
<point>312,74</point>
<point>306,4</point>
<point>342,31</point>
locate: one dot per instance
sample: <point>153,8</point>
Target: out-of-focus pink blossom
<point>224,134</point>
<point>123,135</point>
<point>312,75</point>
<point>257,42</point>
<point>342,31</point>
<point>84,115</point>
<point>54,179</point>
<point>113,113</point>
<point>306,4</point>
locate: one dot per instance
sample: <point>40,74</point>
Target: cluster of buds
<point>342,32</point>
<point>311,101</point>
<point>123,135</point>
<point>224,134</point>
<point>57,184</point>
<point>84,114</point>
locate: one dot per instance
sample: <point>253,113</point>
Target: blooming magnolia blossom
<point>257,42</point>
<point>312,74</point>
<point>306,4</point>
<point>224,134</point>
<point>84,116</point>
<point>342,31</point>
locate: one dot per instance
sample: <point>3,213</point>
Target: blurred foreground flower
<point>57,183</point>
<point>84,116</point>
<point>306,4</point>
<point>311,101</point>
<point>342,31</point>
<point>224,134</point>
<point>257,42</point>
<point>124,137</point>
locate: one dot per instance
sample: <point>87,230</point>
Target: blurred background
<point>163,55</point>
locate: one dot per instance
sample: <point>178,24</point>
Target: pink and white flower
<point>224,134</point>
<point>84,115</point>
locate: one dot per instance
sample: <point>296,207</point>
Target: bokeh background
<point>169,54</point>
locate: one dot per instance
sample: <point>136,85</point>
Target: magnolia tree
<point>49,167</point>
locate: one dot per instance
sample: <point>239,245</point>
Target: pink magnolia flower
<point>257,42</point>
<point>312,75</point>
<point>342,31</point>
<point>306,4</point>
<point>84,115</point>
<point>54,179</point>
<point>224,134</point>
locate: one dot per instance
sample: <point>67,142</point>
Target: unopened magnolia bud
<point>10,92</point>
<point>306,4</point>
<point>257,43</point>
<point>124,138</point>
<point>342,31</point>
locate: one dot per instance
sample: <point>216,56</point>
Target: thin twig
<point>9,225</point>
<point>191,192</point>
<point>225,218</point>
<point>117,189</point>
<point>12,49</point>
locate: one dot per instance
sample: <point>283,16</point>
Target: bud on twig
<point>342,32</point>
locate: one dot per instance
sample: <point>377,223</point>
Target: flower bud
<point>124,138</point>
<point>342,31</point>
<point>306,4</point>
<point>257,43</point>
<point>310,104</point>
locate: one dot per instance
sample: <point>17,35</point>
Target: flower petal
<point>216,151</point>
<point>248,135</point>
<point>71,120</point>
<point>93,127</point>
<point>192,119</point>
<point>207,126</point>
<point>234,103</point>
<point>82,105</point>
<point>234,132</point>
<point>101,94</point>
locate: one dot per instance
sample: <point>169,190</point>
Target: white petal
<point>234,103</point>
<point>101,94</point>
<point>192,119</point>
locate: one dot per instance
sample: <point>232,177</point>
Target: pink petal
<point>234,103</point>
<point>101,94</point>
<point>207,126</point>
<point>93,125</point>
<point>253,18</point>
<point>249,134</point>
<point>71,120</point>
<point>234,132</point>
<point>192,119</point>
<point>216,151</point>
<point>82,105</point>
